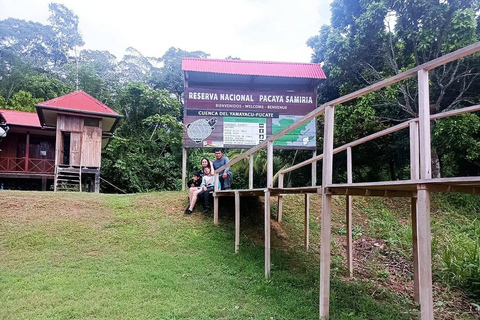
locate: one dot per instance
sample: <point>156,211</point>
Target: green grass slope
<point>96,256</point>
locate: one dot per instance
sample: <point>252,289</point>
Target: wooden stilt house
<point>83,125</point>
<point>61,143</point>
<point>27,152</point>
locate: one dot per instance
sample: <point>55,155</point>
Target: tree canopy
<point>368,41</point>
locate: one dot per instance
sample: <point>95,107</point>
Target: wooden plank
<point>455,55</point>
<point>58,147</point>
<point>217,178</point>
<point>75,148</point>
<point>424,125</point>
<point>44,183</point>
<point>314,170</point>
<point>369,192</point>
<point>453,188</point>
<point>184,168</point>
<point>424,265</point>
<point>22,175</point>
<point>237,221</point>
<point>413,213</point>
<point>348,215</point>
<point>414,151</point>
<point>348,219</point>
<point>267,234</point>
<point>325,248</point>
<point>215,209</point>
<point>455,112</point>
<point>299,190</point>
<point>27,151</point>
<point>270,165</point>
<point>307,221</point>
<point>91,147</point>
<point>250,172</point>
<point>280,208</point>
<point>97,183</point>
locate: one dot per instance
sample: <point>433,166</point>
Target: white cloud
<point>250,29</point>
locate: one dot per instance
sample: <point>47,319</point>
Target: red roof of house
<point>79,101</point>
<point>256,68</point>
<point>20,118</point>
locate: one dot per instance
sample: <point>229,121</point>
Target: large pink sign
<point>242,119</point>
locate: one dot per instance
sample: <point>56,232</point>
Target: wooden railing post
<point>307,221</point>
<point>280,198</point>
<point>414,175</point>
<point>237,221</point>
<point>414,151</point>
<point>184,168</point>
<point>27,151</point>
<point>349,215</point>
<point>250,171</point>
<point>270,164</point>
<point>326,214</point>
<point>424,266</point>
<point>215,200</point>
<point>267,233</point>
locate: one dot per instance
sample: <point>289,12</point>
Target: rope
<point>112,185</point>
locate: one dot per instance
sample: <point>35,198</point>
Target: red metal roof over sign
<point>20,118</point>
<point>257,68</point>
<point>79,101</point>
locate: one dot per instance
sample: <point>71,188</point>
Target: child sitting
<point>208,181</point>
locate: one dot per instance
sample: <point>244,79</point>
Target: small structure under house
<point>62,143</point>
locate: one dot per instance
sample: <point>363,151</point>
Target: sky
<point>266,30</point>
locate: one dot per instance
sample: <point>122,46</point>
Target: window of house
<point>91,122</point>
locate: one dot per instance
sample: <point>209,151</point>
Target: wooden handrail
<point>382,133</point>
<point>19,164</point>
<point>458,54</point>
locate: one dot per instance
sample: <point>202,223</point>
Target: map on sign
<point>303,136</point>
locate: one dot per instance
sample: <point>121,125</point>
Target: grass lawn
<point>96,256</point>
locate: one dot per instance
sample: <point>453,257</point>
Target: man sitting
<point>225,176</point>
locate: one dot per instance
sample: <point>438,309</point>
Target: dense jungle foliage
<point>366,41</point>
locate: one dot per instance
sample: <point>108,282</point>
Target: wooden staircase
<point>68,178</point>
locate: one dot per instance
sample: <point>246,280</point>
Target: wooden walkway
<point>388,189</point>
<point>418,188</point>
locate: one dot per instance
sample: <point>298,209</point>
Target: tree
<point>146,153</point>
<point>22,101</point>
<point>30,42</point>
<point>170,76</point>
<point>64,24</point>
<point>363,45</point>
<point>135,67</point>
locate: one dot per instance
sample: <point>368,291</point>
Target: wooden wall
<point>91,147</point>
<point>38,144</point>
<point>9,145</point>
<point>85,141</point>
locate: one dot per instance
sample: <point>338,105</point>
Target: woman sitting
<point>208,182</point>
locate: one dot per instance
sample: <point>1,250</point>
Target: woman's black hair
<point>208,162</point>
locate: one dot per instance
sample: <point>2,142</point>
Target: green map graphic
<point>303,136</point>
